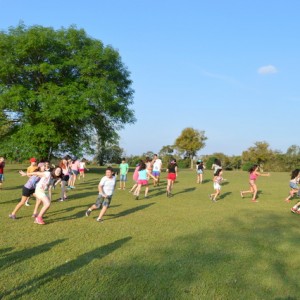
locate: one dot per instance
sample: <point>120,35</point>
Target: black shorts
<point>65,178</point>
<point>27,192</point>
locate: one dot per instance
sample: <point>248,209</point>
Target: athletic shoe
<point>137,198</point>
<point>27,203</point>
<point>254,201</point>
<point>60,200</point>
<point>34,215</point>
<point>293,210</point>
<point>39,220</point>
<point>13,217</point>
<point>242,195</point>
<point>99,220</point>
<point>88,212</point>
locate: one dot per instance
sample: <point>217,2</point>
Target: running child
<point>135,177</point>
<point>294,188</point>
<point>32,168</point>
<point>199,170</point>
<point>252,181</point>
<point>143,180</point>
<point>172,175</point>
<point>217,185</point>
<point>27,190</point>
<point>40,191</point>
<point>105,188</point>
<point>82,168</point>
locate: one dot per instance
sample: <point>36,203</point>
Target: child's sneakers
<point>99,220</point>
<point>13,217</point>
<point>39,220</point>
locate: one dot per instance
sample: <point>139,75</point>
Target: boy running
<point>106,188</point>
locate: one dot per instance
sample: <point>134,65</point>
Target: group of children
<point>42,179</point>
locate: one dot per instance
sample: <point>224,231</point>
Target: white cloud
<point>264,70</point>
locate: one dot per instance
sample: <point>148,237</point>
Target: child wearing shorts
<point>123,173</point>
<point>294,188</point>
<point>217,185</point>
<point>105,188</point>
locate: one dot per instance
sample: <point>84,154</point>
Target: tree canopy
<point>58,89</point>
<point>190,141</point>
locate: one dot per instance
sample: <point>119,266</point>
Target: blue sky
<point>230,68</point>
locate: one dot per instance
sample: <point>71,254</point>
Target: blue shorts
<point>294,186</point>
<point>1,177</point>
<point>199,171</point>
<point>75,172</point>
<point>155,173</point>
<point>123,177</point>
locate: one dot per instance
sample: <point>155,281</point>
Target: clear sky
<point>228,67</point>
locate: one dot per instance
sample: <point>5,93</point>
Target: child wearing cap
<point>199,169</point>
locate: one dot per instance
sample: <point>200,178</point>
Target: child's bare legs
<point>63,194</point>
<point>146,190</point>
<point>291,194</point>
<point>215,195</point>
<point>50,193</point>
<point>46,205</point>
<point>133,188</point>
<point>137,191</point>
<point>74,177</point>
<point>19,205</point>
<point>253,190</point>
<point>169,187</point>
<point>102,212</point>
<point>36,207</point>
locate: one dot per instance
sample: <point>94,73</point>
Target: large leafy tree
<point>190,142</point>
<point>59,88</point>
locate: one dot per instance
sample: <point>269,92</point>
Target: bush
<point>247,165</point>
<point>183,163</point>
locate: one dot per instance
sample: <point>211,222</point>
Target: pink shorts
<point>142,182</point>
<point>81,170</point>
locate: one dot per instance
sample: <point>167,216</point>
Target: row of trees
<point>260,153</point>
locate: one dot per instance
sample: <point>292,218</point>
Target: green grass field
<point>184,247</point>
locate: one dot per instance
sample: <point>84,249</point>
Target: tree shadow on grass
<point>216,263</point>
<point>20,256</point>
<point>4,250</point>
<point>65,269</point>
<point>129,211</point>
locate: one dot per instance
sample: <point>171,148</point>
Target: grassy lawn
<point>184,247</point>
